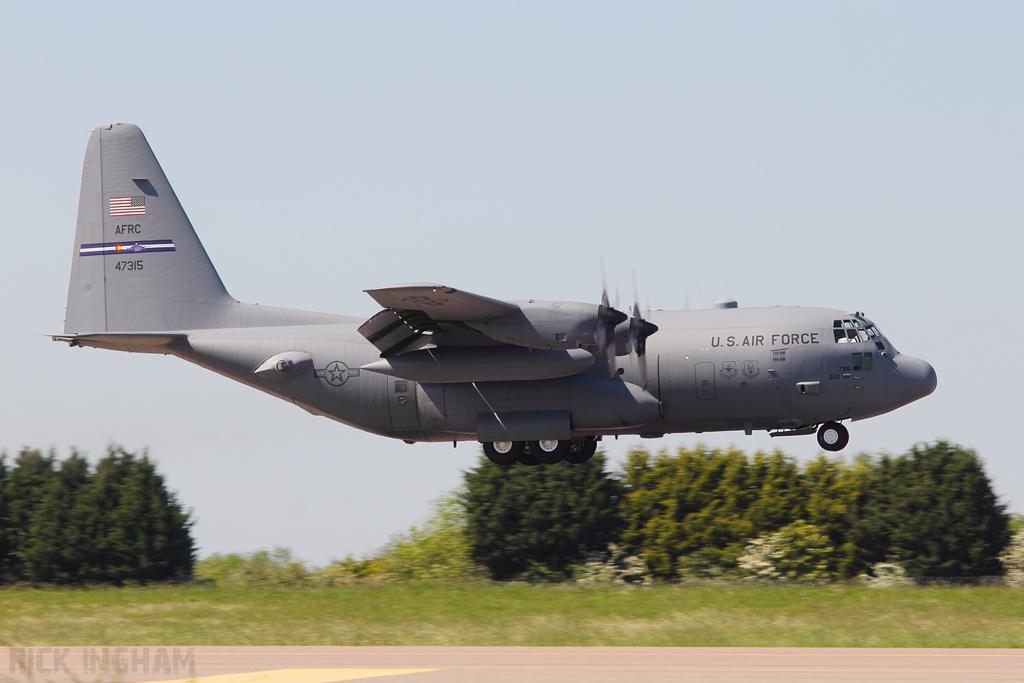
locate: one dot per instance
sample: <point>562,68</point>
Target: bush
<point>263,568</point>
<point>1012,559</point>
<point>797,551</point>
<point>437,549</point>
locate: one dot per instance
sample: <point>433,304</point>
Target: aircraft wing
<point>440,303</point>
<point>421,313</point>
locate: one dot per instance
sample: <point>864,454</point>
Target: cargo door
<point>705,381</point>
<point>402,404</point>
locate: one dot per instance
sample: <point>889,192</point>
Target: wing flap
<point>394,332</point>
<point>439,302</point>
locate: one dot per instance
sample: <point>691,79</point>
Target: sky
<point>853,155</point>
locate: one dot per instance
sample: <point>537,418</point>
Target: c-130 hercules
<point>533,381</point>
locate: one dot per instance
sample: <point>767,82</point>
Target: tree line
<point>67,523</point>
<point>708,512</point>
<point>695,513</point>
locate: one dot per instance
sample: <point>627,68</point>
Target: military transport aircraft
<point>533,381</point>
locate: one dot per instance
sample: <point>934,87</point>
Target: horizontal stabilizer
<point>156,342</point>
<point>441,303</point>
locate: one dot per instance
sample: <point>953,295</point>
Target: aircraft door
<point>705,381</point>
<point>402,404</point>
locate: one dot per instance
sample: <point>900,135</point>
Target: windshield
<point>851,330</point>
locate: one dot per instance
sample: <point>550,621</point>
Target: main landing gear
<point>833,436</point>
<point>548,452</point>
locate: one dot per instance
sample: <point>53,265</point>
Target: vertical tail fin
<point>138,264</point>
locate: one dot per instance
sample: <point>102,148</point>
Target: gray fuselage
<point>708,370</point>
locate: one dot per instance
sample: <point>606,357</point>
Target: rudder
<point>138,265</point>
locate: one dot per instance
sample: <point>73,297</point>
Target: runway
<point>506,664</point>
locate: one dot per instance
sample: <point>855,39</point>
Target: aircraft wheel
<point>526,457</point>
<point>833,436</point>
<point>549,451</point>
<point>581,450</point>
<point>503,452</point>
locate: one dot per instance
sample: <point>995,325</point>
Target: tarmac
<point>506,664</point>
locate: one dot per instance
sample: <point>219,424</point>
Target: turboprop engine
<point>550,324</point>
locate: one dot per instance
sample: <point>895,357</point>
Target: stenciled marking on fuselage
<point>785,339</point>
<point>146,247</point>
<point>733,340</point>
<point>336,373</point>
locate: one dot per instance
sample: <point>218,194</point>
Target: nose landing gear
<point>833,436</point>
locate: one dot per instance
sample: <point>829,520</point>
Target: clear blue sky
<point>864,156</point>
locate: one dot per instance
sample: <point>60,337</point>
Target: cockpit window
<point>862,361</point>
<point>850,331</point>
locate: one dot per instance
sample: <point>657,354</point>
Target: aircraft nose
<point>915,378</point>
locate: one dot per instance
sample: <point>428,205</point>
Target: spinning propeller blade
<point>608,318</point>
<point>639,331</point>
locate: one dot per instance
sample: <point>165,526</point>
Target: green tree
<point>57,541</point>
<point>934,510</point>
<point>693,512</point>
<point>833,500</point>
<point>539,521</point>
<point>6,532</point>
<point>137,530</point>
<point>23,493</point>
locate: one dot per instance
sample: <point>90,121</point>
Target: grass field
<point>517,614</point>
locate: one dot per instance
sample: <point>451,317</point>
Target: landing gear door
<point>402,404</point>
<point>705,381</point>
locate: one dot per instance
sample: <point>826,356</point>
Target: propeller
<point>639,331</point>
<point>608,318</point>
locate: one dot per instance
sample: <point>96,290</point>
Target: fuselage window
<point>869,362</point>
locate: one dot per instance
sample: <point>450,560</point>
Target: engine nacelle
<point>544,325</point>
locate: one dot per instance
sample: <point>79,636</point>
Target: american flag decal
<point>128,206</point>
